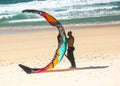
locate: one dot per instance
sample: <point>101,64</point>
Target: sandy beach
<point>97,55</point>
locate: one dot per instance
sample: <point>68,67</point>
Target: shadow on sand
<point>82,68</point>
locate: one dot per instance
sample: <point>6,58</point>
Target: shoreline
<point>15,30</point>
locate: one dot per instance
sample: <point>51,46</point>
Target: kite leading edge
<point>60,51</point>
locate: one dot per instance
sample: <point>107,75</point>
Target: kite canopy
<point>60,51</point>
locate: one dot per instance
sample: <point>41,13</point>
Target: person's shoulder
<point>67,39</point>
<point>72,37</point>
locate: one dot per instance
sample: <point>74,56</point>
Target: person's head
<point>70,33</point>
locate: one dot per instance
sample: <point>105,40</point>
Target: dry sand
<point>97,56</point>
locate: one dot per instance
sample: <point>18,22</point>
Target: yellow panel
<point>50,66</point>
<point>55,61</point>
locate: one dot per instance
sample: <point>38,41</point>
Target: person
<point>70,54</point>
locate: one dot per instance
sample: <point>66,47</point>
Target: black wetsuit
<point>70,56</point>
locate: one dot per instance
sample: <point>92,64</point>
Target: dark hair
<point>69,32</point>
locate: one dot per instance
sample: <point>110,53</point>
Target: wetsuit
<point>70,56</point>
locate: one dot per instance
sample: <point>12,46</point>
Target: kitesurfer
<point>70,54</point>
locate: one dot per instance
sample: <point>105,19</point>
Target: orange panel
<point>49,17</point>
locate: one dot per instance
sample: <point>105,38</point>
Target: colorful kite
<point>60,51</point>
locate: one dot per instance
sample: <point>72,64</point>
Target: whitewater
<point>67,11</point>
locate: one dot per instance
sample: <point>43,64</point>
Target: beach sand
<point>97,56</point>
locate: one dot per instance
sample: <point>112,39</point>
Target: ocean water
<point>66,11</point>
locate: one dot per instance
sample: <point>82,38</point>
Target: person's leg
<point>72,60</point>
<point>70,57</point>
